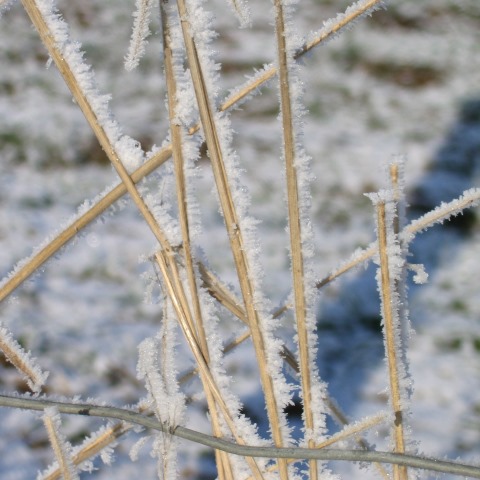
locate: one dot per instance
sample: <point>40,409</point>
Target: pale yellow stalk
<point>64,463</point>
<point>150,165</point>
<point>224,466</point>
<point>295,229</point>
<point>233,228</point>
<point>171,282</point>
<point>399,472</point>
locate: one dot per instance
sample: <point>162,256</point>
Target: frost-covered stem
<point>94,447</point>
<point>158,159</point>
<point>468,199</point>
<point>60,240</point>
<point>399,472</point>
<point>49,40</point>
<point>221,293</point>
<point>178,160</point>
<point>60,446</point>
<point>295,228</point>
<point>140,33</point>
<point>187,328</point>
<point>354,429</point>
<point>353,13</point>
<point>223,462</point>
<point>233,227</point>
<point>22,361</point>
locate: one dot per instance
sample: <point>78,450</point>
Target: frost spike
<point>60,445</point>
<point>235,231</point>
<point>22,360</point>
<point>399,472</point>
<point>222,460</point>
<point>140,33</point>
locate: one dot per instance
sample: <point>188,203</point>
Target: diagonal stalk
<point>172,282</point>
<point>233,227</point>
<point>158,159</point>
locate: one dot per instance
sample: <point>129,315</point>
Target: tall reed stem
<point>233,228</point>
<point>399,472</point>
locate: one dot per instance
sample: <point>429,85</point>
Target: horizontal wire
<point>131,416</point>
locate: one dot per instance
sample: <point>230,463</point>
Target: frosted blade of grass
<point>397,182</point>
<point>234,227</point>
<point>22,361</point>
<point>140,33</point>
<point>26,268</point>
<point>387,275</point>
<point>171,285</point>
<point>85,215</point>
<point>223,463</point>
<point>470,198</point>
<point>298,173</point>
<point>333,26</point>
<point>60,445</point>
<point>105,437</point>
<point>156,365</point>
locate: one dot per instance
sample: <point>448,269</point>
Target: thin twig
<point>468,199</point>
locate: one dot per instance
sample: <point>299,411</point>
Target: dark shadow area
<point>350,336</point>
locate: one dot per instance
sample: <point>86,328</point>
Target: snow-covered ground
<point>405,81</point>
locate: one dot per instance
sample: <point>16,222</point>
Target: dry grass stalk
<point>221,293</point>
<point>155,161</point>
<point>45,253</point>
<point>233,227</point>
<point>93,448</point>
<point>172,282</point>
<point>59,446</point>
<point>295,228</point>
<point>22,361</point>
<point>399,472</point>
<point>223,463</point>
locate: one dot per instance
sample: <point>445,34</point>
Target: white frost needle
<point>60,445</point>
<point>22,361</point>
<point>140,33</point>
